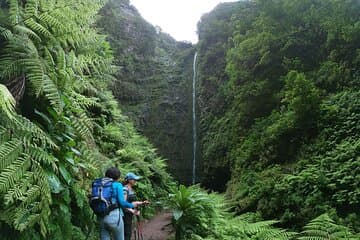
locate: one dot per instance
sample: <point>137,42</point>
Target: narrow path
<point>158,227</point>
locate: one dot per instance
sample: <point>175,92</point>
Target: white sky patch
<point>176,17</point>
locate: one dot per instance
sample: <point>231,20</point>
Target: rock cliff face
<point>215,30</point>
<point>153,83</point>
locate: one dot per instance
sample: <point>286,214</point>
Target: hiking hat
<point>132,176</point>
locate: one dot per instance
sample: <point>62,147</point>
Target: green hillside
<point>280,113</point>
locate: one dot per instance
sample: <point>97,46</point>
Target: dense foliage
<point>280,110</point>
<point>198,215</point>
<point>279,106</point>
<point>59,125</point>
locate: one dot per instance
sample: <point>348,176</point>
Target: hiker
<point>130,196</point>
<point>112,224</point>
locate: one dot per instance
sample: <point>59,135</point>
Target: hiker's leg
<point>114,222</point>
<point>104,233</point>
<point>127,225</point>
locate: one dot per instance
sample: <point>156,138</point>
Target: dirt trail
<point>158,227</point>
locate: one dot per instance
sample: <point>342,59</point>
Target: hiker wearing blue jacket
<point>112,224</point>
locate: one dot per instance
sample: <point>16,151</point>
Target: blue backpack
<point>101,194</point>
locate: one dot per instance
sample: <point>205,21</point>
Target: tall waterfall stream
<point>194,120</point>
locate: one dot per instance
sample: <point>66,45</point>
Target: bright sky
<point>176,17</point>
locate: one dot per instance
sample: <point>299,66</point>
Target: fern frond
<point>25,217</point>
<point>42,157</point>
<point>257,227</point>
<point>61,59</point>
<point>83,125</point>
<point>42,180</point>
<point>273,233</point>
<point>31,8</point>
<point>5,33</point>
<point>85,102</point>
<point>93,158</point>
<point>46,18</point>
<point>14,12</point>
<point>25,30</point>
<point>37,27</point>
<point>29,129</point>
<point>12,173</point>
<point>8,215</point>
<point>9,151</point>
<point>80,195</point>
<point>35,74</point>
<point>83,64</point>
<point>323,227</point>
<point>19,190</point>
<point>32,194</point>
<point>14,193</point>
<point>9,68</point>
<point>7,101</point>
<point>3,134</point>
<point>48,57</point>
<point>52,93</point>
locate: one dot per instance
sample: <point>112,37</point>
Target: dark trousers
<point>127,225</point>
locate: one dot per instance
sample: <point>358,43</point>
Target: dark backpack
<point>101,194</point>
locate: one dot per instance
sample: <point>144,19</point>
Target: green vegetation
<point>198,215</point>
<point>59,125</point>
<point>280,108</point>
<point>279,101</point>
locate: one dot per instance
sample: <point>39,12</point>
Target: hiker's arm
<point>120,197</point>
<point>133,211</point>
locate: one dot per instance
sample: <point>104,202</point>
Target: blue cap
<point>132,176</point>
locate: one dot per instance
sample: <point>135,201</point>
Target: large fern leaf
<point>83,126</point>
<point>324,228</point>
<point>5,33</point>
<point>7,101</point>
<point>12,173</point>
<point>38,28</point>
<point>9,151</point>
<point>52,93</point>
<point>25,30</point>
<point>31,8</point>
<point>14,12</point>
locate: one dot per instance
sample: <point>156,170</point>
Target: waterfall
<point>194,120</point>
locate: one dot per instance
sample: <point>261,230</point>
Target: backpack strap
<point>126,191</point>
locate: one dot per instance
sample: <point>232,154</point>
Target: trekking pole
<point>139,234</point>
